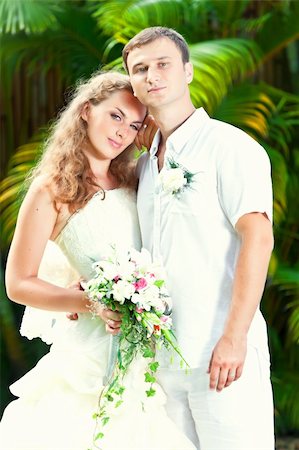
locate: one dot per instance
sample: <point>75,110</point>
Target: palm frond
<point>284,20</point>
<point>293,322</point>
<point>79,56</point>
<point>286,399</point>
<point>12,187</point>
<point>280,179</point>
<point>30,16</point>
<point>270,116</point>
<point>248,107</point>
<point>122,19</point>
<point>284,362</point>
<point>287,279</point>
<point>252,25</point>
<point>217,65</point>
<point>286,118</point>
<point>292,190</point>
<point>228,12</point>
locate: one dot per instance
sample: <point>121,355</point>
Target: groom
<point>213,233</point>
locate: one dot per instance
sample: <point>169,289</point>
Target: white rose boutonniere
<point>174,178</point>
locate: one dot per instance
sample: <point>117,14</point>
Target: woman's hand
<point>75,285</point>
<point>146,133</point>
<point>111,318</point>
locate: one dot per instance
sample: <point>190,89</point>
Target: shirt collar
<point>155,144</point>
<point>181,135</point>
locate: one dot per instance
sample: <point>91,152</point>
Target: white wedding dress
<point>58,397</point>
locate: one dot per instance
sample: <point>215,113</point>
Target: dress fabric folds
<point>57,398</point>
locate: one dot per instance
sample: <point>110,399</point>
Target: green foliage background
<point>246,59</point>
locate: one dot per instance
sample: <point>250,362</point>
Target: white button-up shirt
<point>194,232</point>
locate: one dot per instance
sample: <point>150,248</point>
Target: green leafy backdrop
<point>245,55</point>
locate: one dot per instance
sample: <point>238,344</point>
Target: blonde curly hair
<point>64,164</point>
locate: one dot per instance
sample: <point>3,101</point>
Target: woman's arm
<point>36,222</point>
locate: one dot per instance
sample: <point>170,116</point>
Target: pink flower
<point>140,284</point>
<point>116,278</point>
<point>139,310</point>
<point>164,319</point>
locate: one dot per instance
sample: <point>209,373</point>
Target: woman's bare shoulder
<point>41,185</point>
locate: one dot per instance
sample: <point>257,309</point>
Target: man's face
<point>158,75</point>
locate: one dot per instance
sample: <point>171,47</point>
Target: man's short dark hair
<point>153,33</point>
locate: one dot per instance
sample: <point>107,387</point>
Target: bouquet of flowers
<point>132,284</point>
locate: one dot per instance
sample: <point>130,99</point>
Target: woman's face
<point>112,125</point>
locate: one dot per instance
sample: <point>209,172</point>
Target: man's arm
<point>227,361</point>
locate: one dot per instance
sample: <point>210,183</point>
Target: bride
<point>82,198</point>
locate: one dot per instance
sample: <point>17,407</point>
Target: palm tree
<point>232,45</point>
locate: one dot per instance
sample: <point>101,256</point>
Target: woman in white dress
<point>82,198</point>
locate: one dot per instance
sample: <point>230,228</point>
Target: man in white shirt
<point>205,209</point>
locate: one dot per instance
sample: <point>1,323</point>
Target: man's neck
<point>171,117</point>
<point>168,119</point>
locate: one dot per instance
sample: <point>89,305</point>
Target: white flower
<point>141,258</point>
<point>148,298</point>
<point>126,270</point>
<point>108,268</point>
<point>172,180</point>
<point>122,290</point>
<point>158,304</point>
<point>135,298</point>
<point>141,301</point>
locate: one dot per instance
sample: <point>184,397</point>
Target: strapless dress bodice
<point>99,224</point>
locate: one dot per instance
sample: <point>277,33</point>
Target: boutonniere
<point>175,178</point>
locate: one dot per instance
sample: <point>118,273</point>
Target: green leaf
<point>154,366</point>
<point>100,435</point>
<point>149,378</point>
<point>151,392</point>
<point>148,353</point>
<point>105,420</point>
<point>120,390</point>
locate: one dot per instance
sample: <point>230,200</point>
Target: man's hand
<point>146,133</point>
<point>227,362</point>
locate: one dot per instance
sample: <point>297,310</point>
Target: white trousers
<point>238,418</point>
